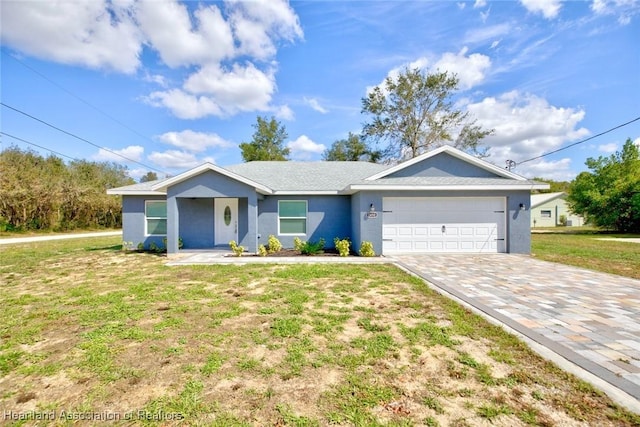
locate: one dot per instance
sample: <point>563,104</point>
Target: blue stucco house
<point>442,201</point>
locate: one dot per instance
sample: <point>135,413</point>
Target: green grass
<point>584,250</point>
<point>294,345</point>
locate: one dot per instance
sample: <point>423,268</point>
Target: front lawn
<point>584,249</point>
<point>98,333</point>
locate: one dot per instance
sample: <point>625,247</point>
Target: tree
<point>267,142</point>
<point>351,149</point>
<point>149,176</point>
<point>609,195</point>
<point>45,193</point>
<point>413,113</point>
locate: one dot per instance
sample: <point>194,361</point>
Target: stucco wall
<point>133,221</point>
<point>196,223</point>
<point>327,217</point>
<point>443,165</point>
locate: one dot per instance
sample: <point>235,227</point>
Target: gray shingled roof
<point>142,186</point>
<point>444,180</point>
<point>306,176</point>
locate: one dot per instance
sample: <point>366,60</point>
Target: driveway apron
<point>591,319</point>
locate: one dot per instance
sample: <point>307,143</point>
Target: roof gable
<point>163,185</point>
<point>542,198</point>
<point>446,161</point>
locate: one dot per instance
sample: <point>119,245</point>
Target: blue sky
<point>173,84</point>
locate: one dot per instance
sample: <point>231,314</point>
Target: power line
<point>36,145</point>
<point>80,138</point>
<point>581,142</point>
<point>77,97</point>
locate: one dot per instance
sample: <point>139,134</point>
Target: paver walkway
<point>591,319</point>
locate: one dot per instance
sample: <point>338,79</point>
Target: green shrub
<point>140,247</point>
<point>366,249</point>
<point>342,245</point>
<point>274,244</point>
<point>237,250</point>
<point>298,244</point>
<point>262,251</point>
<point>313,248</point>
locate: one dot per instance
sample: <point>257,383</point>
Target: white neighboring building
<point>548,208</point>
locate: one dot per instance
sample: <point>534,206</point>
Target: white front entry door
<point>226,220</point>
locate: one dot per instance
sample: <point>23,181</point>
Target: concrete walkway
<point>587,322</point>
<point>43,238</point>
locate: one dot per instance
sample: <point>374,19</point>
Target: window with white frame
<point>545,214</point>
<point>292,217</point>
<point>155,212</point>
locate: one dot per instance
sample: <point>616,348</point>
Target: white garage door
<point>444,224</point>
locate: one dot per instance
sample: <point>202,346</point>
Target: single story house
<point>552,210</point>
<point>441,201</point>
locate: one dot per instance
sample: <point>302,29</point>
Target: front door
<point>226,220</point>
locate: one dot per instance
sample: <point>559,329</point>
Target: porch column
<point>173,225</point>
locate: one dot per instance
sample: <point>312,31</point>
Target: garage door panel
<point>470,224</point>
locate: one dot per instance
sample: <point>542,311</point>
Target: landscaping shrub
<point>298,244</point>
<point>366,249</point>
<point>312,248</point>
<point>237,250</point>
<point>274,244</point>
<point>262,250</point>
<point>342,245</point>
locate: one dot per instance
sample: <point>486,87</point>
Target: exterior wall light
<point>372,208</point>
<point>522,206</point>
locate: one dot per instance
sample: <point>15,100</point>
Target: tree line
<point>45,193</point>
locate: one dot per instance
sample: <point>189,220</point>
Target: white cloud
<point>241,88</point>
<point>495,44</point>
<point>485,34</point>
<point>558,170</point>
<point>94,34</point>
<point>257,24</point>
<point>194,141</point>
<point>176,159</point>
<point>637,142</point>
<point>284,112</point>
<point>132,152</point>
<point>314,104</point>
<point>225,53</point>
<point>303,148</point>
<point>471,70</point>
<point>170,31</point>
<point>608,148</point>
<point>184,105</point>
<point>625,9</point>
<point>479,4</point>
<point>525,126</point>
<point>548,8</point>
<point>216,91</point>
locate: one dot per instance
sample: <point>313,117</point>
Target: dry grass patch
<point>86,328</point>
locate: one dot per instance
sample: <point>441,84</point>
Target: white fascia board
<point>210,167</point>
<point>305,193</point>
<point>359,187</point>
<point>116,192</point>
<point>455,153</point>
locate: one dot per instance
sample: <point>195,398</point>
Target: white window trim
<point>146,231</point>
<point>306,217</point>
<point>543,213</point>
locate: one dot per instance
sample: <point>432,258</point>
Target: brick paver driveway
<point>590,318</point>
